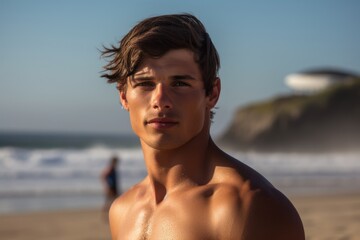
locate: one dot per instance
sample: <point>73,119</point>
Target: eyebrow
<point>141,78</point>
<point>182,77</point>
<point>174,77</point>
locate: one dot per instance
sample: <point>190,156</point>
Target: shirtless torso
<point>236,203</point>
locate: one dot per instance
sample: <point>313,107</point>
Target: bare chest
<point>178,220</point>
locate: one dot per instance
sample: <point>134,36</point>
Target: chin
<point>164,142</point>
<point>164,145</point>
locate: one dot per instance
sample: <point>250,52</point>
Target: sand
<point>330,217</point>
<point>55,225</point>
<point>324,217</point>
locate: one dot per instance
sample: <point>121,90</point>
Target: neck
<point>186,166</point>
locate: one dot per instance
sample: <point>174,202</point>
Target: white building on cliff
<point>317,80</point>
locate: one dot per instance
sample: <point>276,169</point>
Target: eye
<point>146,84</point>
<point>180,84</point>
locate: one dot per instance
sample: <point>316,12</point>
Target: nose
<point>161,97</point>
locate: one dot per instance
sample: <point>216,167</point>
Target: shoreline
<point>331,216</point>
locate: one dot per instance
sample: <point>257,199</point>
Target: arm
<point>254,215</point>
<point>272,216</point>
<point>104,174</point>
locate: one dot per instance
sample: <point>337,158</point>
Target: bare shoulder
<point>250,207</point>
<point>272,212</point>
<point>120,207</point>
<point>246,212</point>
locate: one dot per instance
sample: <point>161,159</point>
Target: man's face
<point>166,100</point>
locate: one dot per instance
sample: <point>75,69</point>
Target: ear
<point>123,99</point>
<point>215,93</point>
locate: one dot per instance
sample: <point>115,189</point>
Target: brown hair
<point>154,37</point>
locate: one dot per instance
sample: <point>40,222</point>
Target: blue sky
<point>50,63</point>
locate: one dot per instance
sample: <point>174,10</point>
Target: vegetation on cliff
<point>325,121</point>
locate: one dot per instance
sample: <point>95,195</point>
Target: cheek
<point>195,101</point>
<point>136,120</point>
<point>196,112</point>
<point>136,111</point>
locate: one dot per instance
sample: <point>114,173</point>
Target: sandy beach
<point>324,217</point>
<point>330,217</point>
<point>56,225</point>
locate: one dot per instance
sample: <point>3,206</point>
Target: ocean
<point>62,171</point>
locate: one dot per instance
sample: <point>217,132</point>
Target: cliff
<point>325,121</point>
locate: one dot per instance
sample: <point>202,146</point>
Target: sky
<point>50,63</point>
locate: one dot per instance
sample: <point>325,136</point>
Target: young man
<point>166,72</point>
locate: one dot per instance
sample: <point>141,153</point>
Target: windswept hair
<point>155,36</point>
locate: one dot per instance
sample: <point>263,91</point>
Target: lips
<point>160,123</point>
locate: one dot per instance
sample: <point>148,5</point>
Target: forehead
<point>181,60</point>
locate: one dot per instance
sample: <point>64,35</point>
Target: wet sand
<point>324,217</point>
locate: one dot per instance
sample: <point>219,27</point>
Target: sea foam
<point>38,179</point>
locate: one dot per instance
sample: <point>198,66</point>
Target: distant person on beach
<point>109,178</point>
<point>166,71</point>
